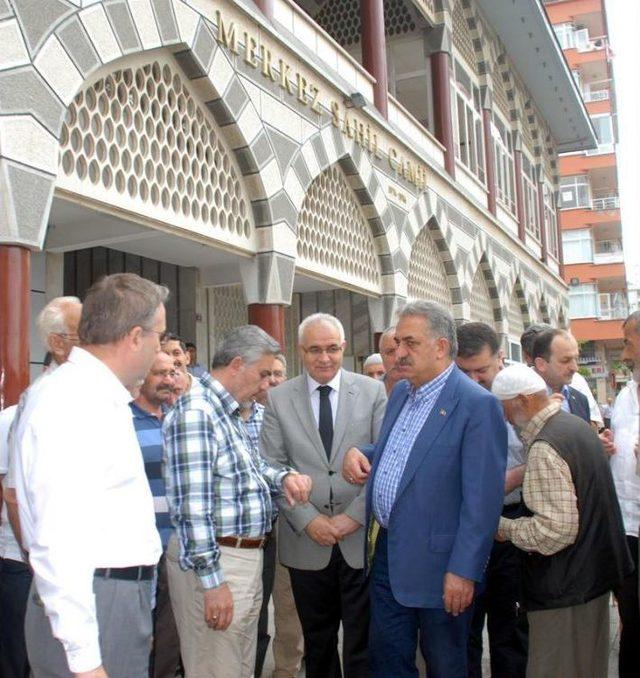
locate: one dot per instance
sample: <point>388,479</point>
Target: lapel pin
<point>442,413</point>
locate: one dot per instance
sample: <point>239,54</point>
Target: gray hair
<point>388,332</point>
<point>439,321</point>
<point>320,318</point>
<point>633,318</point>
<point>373,359</point>
<point>116,304</point>
<point>282,359</point>
<point>248,342</point>
<point>52,320</point>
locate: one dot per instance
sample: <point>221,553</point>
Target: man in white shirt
<point>625,421</point>
<point>86,510</point>
<point>58,328</point>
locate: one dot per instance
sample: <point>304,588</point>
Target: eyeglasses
<point>317,351</point>
<point>68,336</point>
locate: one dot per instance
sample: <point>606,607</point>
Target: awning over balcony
<point>531,43</point>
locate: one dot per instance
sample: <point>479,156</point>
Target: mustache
<point>404,362</point>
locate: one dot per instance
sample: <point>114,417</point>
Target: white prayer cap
<point>515,380</point>
<point>373,359</point>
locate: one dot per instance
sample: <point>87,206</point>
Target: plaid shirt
<point>549,493</point>
<point>217,482</point>
<point>403,435</point>
<point>254,423</point>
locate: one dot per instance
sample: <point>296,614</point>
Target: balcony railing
<point>596,95</point>
<point>600,149</point>
<point>585,43</point>
<point>608,246</point>
<point>612,306</point>
<point>608,202</point>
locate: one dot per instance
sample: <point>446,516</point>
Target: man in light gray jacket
<point>309,424</point>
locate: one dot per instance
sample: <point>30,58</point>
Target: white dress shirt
<point>624,424</point>
<point>314,394</point>
<point>580,384</point>
<point>9,547</point>
<point>83,495</point>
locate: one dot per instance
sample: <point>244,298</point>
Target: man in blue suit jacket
<point>435,490</point>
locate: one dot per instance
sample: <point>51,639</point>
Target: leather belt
<point>135,573</point>
<point>242,542</point>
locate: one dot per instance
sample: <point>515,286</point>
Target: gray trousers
<point>124,622</point>
<point>570,642</point>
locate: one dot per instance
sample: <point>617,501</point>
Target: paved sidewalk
<point>613,655</point>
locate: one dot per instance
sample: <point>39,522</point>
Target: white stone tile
<point>382,247</point>
<point>310,158</point>
<point>405,245</point>
<point>145,23</point>
<point>347,71</point>
<point>392,239</point>
<point>249,124</point>
<point>327,52</point>
<point>13,51</point>
<point>24,140</point>
<point>303,30</point>
<point>99,30</point>
<point>253,91</point>
<point>380,201</point>
<point>294,189</point>
<point>329,146</point>
<point>58,70</point>
<point>279,116</point>
<point>283,14</point>
<point>271,178</point>
<point>221,71</point>
<point>187,21</point>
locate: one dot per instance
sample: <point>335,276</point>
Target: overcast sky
<point>623,17</point>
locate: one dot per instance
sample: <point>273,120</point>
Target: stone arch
<point>323,150</point>
<point>518,317</point>
<point>543,309</point>
<point>141,139</point>
<point>429,211</point>
<point>335,240</point>
<point>427,276</point>
<point>73,45</point>
<point>483,298</point>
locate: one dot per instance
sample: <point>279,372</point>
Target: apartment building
<point>269,159</point>
<point>590,217</point>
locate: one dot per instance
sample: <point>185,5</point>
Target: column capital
<point>438,39</point>
<point>267,278</point>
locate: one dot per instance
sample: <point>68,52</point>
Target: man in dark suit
<point>555,358</point>
<point>309,423</point>
<point>434,496</point>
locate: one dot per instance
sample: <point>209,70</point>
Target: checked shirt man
<point>219,493</point>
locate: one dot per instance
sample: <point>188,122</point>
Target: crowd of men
<point>152,508</point>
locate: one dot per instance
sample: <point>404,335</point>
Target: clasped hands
<point>327,531</point>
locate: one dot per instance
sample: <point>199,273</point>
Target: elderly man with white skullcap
<point>573,535</point>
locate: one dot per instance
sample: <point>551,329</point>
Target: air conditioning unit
<point>574,282</point>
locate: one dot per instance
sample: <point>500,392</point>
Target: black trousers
<point>499,604</point>
<point>268,574</point>
<point>324,598</point>
<point>629,609</point>
<point>165,652</point>
<point>15,582</point>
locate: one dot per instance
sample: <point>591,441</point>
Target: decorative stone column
<point>559,235</point>
<point>438,46</point>
<point>544,254</point>
<point>489,155</point>
<point>14,322</point>
<point>374,52</point>
<point>517,170</point>
<point>270,317</point>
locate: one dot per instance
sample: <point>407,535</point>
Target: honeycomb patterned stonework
<point>427,277</point>
<point>481,302</point>
<point>462,39</point>
<point>229,310</point>
<point>334,238</point>
<point>139,136</point>
<point>341,19</point>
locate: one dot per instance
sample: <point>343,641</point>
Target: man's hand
<point>322,530</point>
<point>345,524</point>
<point>296,488</point>
<point>218,607</point>
<point>557,397</point>
<point>606,438</point>
<point>355,467</point>
<point>458,593</point>
<point>96,673</point>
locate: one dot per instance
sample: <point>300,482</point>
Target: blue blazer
<point>579,405</point>
<point>450,495</point>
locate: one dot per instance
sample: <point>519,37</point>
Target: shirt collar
<point>313,385</point>
<point>141,413</point>
<point>228,402</point>
<point>104,378</point>
<point>531,430</point>
<point>437,382</point>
